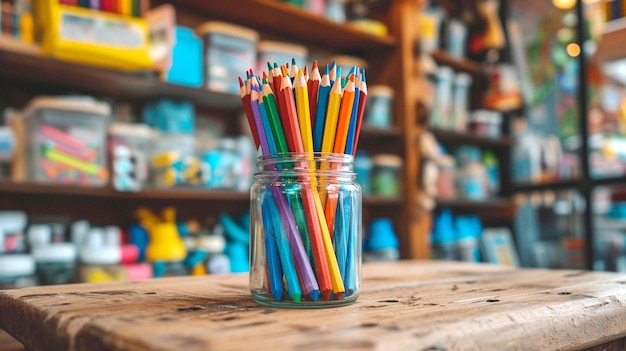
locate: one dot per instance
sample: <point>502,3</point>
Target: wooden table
<point>409,305</point>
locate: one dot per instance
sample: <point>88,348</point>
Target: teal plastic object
<point>186,66</point>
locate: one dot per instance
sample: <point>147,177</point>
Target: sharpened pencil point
<point>296,297</point>
<point>314,295</point>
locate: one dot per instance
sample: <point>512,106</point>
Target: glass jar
<point>305,249</point>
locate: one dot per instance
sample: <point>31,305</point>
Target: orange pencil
<point>343,124</point>
<point>292,130</point>
<point>341,136</point>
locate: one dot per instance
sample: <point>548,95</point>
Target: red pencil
<point>245,99</point>
<point>361,110</point>
<point>313,85</point>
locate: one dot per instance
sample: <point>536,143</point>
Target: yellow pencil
<point>343,123</point>
<point>332,114</point>
<point>304,114</point>
<point>333,267</point>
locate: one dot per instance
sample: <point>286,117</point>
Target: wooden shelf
<point>289,22</point>
<point>37,72</point>
<point>467,203</point>
<point>459,138</point>
<point>37,189</point>
<point>558,185</point>
<point>490,210</point>
<point>463,65</point>
<point>611,45</point>
<point>374,200</point>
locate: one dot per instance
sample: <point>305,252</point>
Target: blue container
<point>186,66</point>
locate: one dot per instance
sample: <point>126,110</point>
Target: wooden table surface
<point>407,305</point>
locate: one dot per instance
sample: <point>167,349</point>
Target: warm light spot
<point>564,4</point>
<point>573,49</point>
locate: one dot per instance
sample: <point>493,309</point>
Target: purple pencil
<point>297,247</point>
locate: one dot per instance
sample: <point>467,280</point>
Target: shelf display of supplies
<point>95,38</point>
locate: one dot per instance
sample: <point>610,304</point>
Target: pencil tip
<point>326,295</point>
<point>314,295</point>
<point>300,73</point>
<point>240,82</point>
<point>314,65</point>
<point>326,69</point>
<point>296,297</point>
<point>275,65</point>
<point>293,61</point>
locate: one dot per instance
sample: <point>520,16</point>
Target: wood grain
<point>410,305</point>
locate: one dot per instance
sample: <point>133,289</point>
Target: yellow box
<point>85,36</point>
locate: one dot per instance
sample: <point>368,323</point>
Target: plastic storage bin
<point>386,175</point>
<point>228,51</point>
<point>186,66</point>
<point>17,271</point>
<point>378,111</point>
<point>67,140</point>
<point>173,161</point>
<point>280,53</point>
<point>55,263</point>
<point>130,146</point>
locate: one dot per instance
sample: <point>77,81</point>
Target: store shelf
<point>557,185</point>
<point>467,203</point>
<point>458,138</point>
<point>611,44</point>
<point>493,209</point>
<point>607,181</point>
<point>374,200</point>
<point>36,189</point>
<point>289,22</point>
<point>464,65</point>
<point>40,72</point>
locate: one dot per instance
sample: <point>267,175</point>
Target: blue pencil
<point>320,115</point>
<point>284,251</point>
<point>354,115</point>
<point>271,144</point>
<point>271,252</point>
<point>352,265</point>
<point>342,231</point>
<point>297,247</point>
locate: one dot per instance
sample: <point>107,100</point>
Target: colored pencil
<point>271,251</point>
<point>362,100</point>
<point>254,103</point>
<point>332,114</point>
<point>285,252</point>
<point>274,119</point>
<point>320,113</point>
<point>313,84</point>
<point>304,115</point>
<point>349,149</point>
<point>245,100</point>
<point>297,248</point>
<point>293,127</point>
<point>345,113</point>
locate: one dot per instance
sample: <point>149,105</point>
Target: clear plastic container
<point>130,146</point>
<point>386,175</point>
<point>56,263</point>
<point>378,111</point>
<point>17,271</point>
<point>460,107</point>
<point>228,51</point>
<point>305,227</point>
<point>67,140</point>
<point>279,52</point>
<point>173,161</point>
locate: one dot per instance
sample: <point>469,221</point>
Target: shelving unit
<point>23,75</point>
